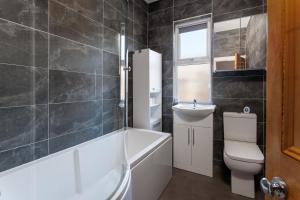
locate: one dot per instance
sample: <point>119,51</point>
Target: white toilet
<point>241,153</point>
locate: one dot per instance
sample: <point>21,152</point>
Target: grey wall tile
<point>161,35</point>
<point>167,125</point>
<point>113,18</point>
<point>71,86</point>
<point>99,87</point>
<point>70,24</point>
<point>88,8</point>
<point>111,41</point>
<point>225,6</point>
<point>167,103</point>
<point>16,127</point>
<point>71,117</point>
<point>167,87</point>
<point>72,56</point>
<point>161,18</point>
<point>40,123</point>
<point>238,87</point>
<point>140,16</point>
<point>120,5</point>
<point>160,5</point>
<point>110,64</point>
<point>66,141</point>
<point>111,87</point>
<point>167,69</point>
<point>140,33</point>
<point>15,157</point>
<point>192,9</point>
<point>22,85</point>
<point>32,13</point>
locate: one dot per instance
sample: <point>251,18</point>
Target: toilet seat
<point>243,151</point>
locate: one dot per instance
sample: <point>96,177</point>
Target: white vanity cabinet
<point>193,144</point>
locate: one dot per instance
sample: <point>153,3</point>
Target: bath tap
<point>195,102</point>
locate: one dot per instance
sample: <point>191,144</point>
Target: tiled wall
<point>231,91</point>
<point>59,78</point>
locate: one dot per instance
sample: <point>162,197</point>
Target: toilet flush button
<point>247,109</point>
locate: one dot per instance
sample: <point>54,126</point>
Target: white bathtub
<point>103,168</point>
<point>150,157</point>
<point>95,170</point>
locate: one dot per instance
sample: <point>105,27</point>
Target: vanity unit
<point>193,138</point>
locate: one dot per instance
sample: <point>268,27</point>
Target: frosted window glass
<point>193,82</point>
<point>193,44</point>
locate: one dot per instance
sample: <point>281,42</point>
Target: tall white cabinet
<point>147,90</point>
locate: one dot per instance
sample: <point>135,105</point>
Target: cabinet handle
<point>188,136</point>
<point>193,136</point>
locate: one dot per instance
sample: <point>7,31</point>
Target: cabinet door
<point>182,146</point>
<point>202,150</point>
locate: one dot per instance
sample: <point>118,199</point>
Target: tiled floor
<point>189,186</point>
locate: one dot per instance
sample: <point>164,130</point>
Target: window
<point>192,60</point>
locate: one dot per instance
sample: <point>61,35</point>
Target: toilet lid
<point>243,151</point>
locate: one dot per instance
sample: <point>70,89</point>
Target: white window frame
<point>191,61</point>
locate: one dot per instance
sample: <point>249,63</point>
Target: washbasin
<point>191,110</point>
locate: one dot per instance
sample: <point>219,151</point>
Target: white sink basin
<point>199,111</point>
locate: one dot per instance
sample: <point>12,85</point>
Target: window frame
<point>205,19</point>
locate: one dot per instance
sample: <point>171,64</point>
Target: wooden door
<point>182,146</point>
<point>283,94</point>
<point>202,150</point>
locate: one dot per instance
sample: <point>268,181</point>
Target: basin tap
<point>195,102</point>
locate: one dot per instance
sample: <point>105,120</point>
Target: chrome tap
<point>195,102</point>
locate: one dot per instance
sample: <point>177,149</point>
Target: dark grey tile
<point>167,124</point>
<point>160,5</point>
<point>110,64</point>
<point>261,130</point>
<point>111,87</point>
<point>111,111</point>
<point>141,5</point>
<point>167,103</point>
<point>225,6</point>
<point>66,141</point>
<point>40,149</point>
<point>70,24</point>
<point>161,35</point>
<point>238,87</point>
<point>32,13</point>
<point>71,117</point>
<point>40,54</point>
<point>40,79</point>
<point>218,128</point>
<point>218,150</point>
<point>110,126</point>
<point>237,105</point>
<point>140,16</point>
<point>111,41</point>
<point>167,69</point>
<point>140,34</point>
<point>72,56</point>
<point>88,8</point>
<point>15,157</point>
<point>40,123</point>
<point>113,18</point>
<point>16,124</point>
<point>183,2</point>
<point>120,5</point>
<point>71,86</point>
<point>161,18</point>
<point>99,87</point>
<point>130,9</point>
<point>238,14</point>
<point>193,9</point>
<point>17,45</point>
<point>167,87</point>
<point>22,85</point>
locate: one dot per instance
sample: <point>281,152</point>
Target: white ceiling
<point>150,1</point>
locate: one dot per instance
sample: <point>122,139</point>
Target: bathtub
<point>123,165</point>
<point>95,170</point>
<point>149,154</point>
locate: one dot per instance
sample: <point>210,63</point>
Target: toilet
<point>241,153</point>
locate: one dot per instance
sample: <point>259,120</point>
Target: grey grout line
<point>28,144</point>
<point>48,131</point>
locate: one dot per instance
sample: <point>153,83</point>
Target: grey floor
<point>189,186</point>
